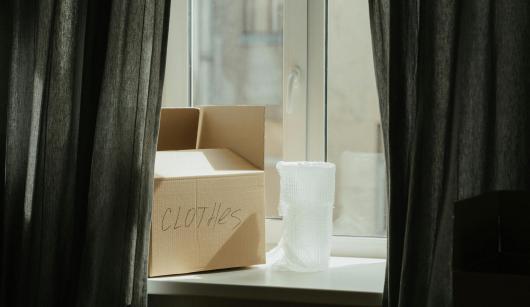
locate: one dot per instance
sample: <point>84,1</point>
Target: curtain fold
<point>454,84</point>
<point>80,85</point>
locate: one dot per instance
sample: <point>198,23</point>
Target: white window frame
<point>176,91</point>
<point>304,97</point>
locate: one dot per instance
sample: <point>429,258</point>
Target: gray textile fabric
<point>80,91</point>
<point>454,86</point>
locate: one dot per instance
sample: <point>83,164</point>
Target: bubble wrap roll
<point>307,191</point>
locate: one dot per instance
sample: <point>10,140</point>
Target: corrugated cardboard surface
<point>208,208</point>
<point>178,129</point>
<point>238,128</point>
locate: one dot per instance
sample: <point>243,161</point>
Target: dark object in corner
<point>491,256</point>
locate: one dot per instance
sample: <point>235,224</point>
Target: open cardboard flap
<point>238,128</point>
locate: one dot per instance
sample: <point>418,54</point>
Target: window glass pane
<point>237,52</point>
<point>354,139</point>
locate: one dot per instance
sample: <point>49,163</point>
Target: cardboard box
<point>208,208</point>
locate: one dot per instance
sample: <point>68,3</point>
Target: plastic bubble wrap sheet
<point>307,193</point>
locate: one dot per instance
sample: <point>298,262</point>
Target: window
<point>310,63</point>
<point>352,106</point>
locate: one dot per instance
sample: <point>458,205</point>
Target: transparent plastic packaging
<point>307,193</point>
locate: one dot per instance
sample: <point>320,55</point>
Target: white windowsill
<point>351,281</point>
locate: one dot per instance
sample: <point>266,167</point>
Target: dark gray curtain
<point>80,89</point>
<point>454,87</point>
